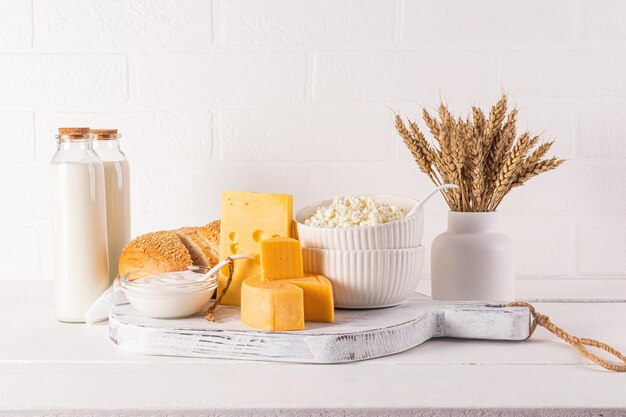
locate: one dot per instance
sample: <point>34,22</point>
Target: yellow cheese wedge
<point>247,219</point>
<point>281,258</point>
<point>272,305</point>
<point>318,297</point>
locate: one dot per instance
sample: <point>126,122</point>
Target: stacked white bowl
<point>369,266</point>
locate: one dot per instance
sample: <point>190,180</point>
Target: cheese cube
<point>272,305</point>
<point>318,297</point>
<point>246,219</point>
<point>281,257</point>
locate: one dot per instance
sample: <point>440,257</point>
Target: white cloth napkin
<point>99,310</point>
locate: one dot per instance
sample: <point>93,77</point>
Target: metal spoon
<point>429,196</point>
<point>223,263</point>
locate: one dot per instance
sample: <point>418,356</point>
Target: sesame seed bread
<point>167,251</point>
<point>155,252</point>
<point>210,234</point>
<point>199,251</point>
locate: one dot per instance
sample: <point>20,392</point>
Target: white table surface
<point>51,368</point>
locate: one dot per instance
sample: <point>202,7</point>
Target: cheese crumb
<point>354,211</point>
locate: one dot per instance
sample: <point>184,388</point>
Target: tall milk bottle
<point>79,224</point>
<point>117,180</point>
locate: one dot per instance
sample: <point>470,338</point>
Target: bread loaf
<point>168,251</point>
<point>211,235</point>
<point>155,252</point>
<point>202,251</point>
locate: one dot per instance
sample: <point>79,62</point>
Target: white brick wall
<point>16,24</point>
<point>529,22</point>
<point>20,127</point>
<point>323,22</point>
<point>220,77</point>
<point>43,79</point>
<point>307,134</point>
<point>602,122</point>
<point>602,247</point>
<point>19,255</point>
<point>387,76</point>
<point>157,136</point>
<point>296,96</point>
<point>122,25</point>
<point>602,20</point>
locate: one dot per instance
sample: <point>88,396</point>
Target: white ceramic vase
<point>473,260</point>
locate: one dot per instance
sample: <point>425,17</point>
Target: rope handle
<point>230,261</point>
<point>577,342</point>
<point>231,269</point>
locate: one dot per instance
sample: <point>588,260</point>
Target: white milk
<point>79,233</point>
<point>117,181</point>
<point>117,178</point>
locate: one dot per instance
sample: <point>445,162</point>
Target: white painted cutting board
<point>355,335</point>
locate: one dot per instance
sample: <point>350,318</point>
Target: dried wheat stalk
<point>484,156</point>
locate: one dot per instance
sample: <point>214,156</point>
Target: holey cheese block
<point>356,334</point>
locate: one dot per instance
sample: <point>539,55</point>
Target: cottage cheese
<point>353,212</point>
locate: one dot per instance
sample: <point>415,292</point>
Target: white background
<point>297,97</point>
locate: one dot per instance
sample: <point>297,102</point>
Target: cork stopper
<point>69,133</point>
<point>74,131</point>
<point>105,134</point>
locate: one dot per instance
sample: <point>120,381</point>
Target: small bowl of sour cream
<point>169,295</point>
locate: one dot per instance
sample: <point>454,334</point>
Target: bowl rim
<point>147,289</point>
<point>416,249</point>
<point>300,222</point>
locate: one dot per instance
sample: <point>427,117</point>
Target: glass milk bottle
<point>79,226</point>
<point>117,180</point>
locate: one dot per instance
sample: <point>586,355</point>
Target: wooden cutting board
<point>356,334</point>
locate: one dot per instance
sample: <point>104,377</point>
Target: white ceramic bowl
<point>403,233</point>
<point>368,278</point>
<point>170,302</point>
